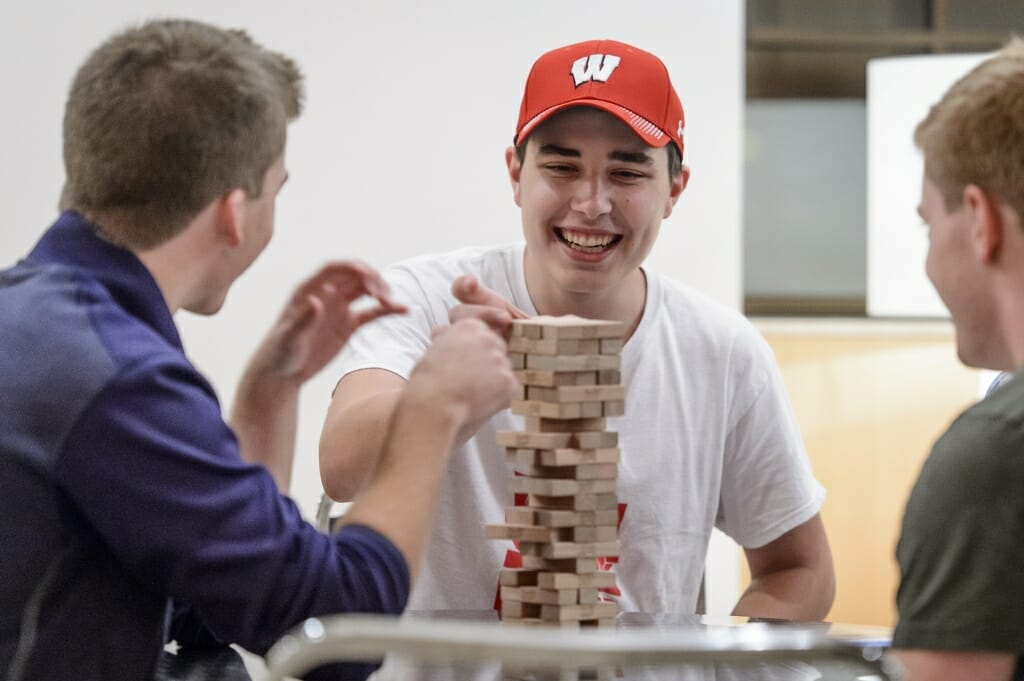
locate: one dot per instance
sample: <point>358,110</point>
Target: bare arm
<point>792,577</point>
<point>948,665</point>
<point>355,429</point>
<point>465,377</point>
<point>315,323</point>
<point>364,401</point>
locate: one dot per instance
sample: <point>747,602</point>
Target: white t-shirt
<point>708,440</point>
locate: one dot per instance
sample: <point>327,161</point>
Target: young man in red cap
<point>708,439</point>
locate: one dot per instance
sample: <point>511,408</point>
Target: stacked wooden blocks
<point>567,465</point>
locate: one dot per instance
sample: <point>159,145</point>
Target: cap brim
<point>650,133</point>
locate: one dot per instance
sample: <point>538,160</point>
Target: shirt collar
<point>73,241</point>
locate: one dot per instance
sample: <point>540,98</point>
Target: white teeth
<point>584,240</point>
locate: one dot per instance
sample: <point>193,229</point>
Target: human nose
<point>591,198</point>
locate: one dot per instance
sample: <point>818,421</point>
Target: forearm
<point>400,499</point>
<point>949,665</point>
<point>797,593</point>
<point>352,441</point>
<point>265,420</point>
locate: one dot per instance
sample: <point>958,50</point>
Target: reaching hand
<point>319,319</point>
<point>466,368</point>
<point>479,302</point>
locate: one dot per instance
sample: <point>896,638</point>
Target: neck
<point>622,302</point>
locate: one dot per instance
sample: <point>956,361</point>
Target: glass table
<point>474,646</point>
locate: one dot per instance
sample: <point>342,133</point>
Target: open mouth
<point>587,242</point>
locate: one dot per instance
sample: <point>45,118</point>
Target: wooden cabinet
<point>818,48</point>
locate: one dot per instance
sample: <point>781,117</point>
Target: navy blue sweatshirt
<point>122,489</point>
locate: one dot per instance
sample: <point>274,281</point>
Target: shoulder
<point>982,452</point>
<point>427,279</point>
<point>469,260</point>
<point>709,327</point>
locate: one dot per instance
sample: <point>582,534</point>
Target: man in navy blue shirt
<point>130,512</point>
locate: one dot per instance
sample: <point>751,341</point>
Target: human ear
<point>515,169</point>
<point>231,211</point>
<point>986,223</point>
<point>676,189</point>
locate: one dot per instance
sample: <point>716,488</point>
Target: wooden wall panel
<point>870,401</point>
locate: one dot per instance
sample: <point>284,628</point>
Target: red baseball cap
<point>623,80</point>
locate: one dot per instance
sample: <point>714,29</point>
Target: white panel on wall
<point>410,107</point>
<point>900,92</point>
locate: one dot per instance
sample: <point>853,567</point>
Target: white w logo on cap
<point>595,67</point>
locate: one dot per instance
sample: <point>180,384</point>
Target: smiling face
<point>958,277</point>
<point>593,196</point>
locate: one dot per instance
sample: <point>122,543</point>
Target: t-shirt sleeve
<point>152,470</point>
<point>959,553</point>
<point>767,487</point>
<point>397,342</point>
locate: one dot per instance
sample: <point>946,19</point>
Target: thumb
<point>468,290</point>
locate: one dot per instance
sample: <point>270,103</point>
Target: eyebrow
<point>638,157</point>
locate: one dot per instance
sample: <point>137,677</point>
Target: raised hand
<point>319,319</point>
<point>479,302</point>
<point>466,369</point>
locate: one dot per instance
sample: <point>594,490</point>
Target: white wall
<point>900,92</point>
<point>400,152</point>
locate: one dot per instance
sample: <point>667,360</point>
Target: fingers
<point>498,319</point>
<point>345,281</point>
<point>468,290</point>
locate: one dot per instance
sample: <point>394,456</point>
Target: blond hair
<point>165,117</point>
<point>975,133</point>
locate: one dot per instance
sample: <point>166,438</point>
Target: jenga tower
<point>567,465</point>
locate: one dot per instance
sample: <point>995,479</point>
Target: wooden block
<point>549,410</point>
<point>531,594</point>
<point>562,518</point>
<point>560,488</point>
<point>609,377</point>
<point>542,425</point>
<point>577,393</point>
<point>553,378</point>
<point>613,408</point>
<point>610,346</point>
<point>519,609</point>
<point>596,440</point>
<point>525,330</point>
<point>554,346</point>
<point>535,439</point>
<point>517,359</point>
<point>550,459</point>
<point>521,515</point>
<point>577,457</point>
<point>579,612</point>
<point>587,471</point>
<point>517,577</point>
<point>523,533</point>
<point>519,392</point>
<point>531,622</point>
<point>572,362</point>
<point>579,502</point>
<point>580,566</point>
<point>557,550</point>
<point>568,580</point>
<point>567,326</point>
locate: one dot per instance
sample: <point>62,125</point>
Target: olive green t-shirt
<point>961,552</point>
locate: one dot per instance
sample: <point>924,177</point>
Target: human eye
<point>559,168</point>
<point>629,175</point>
